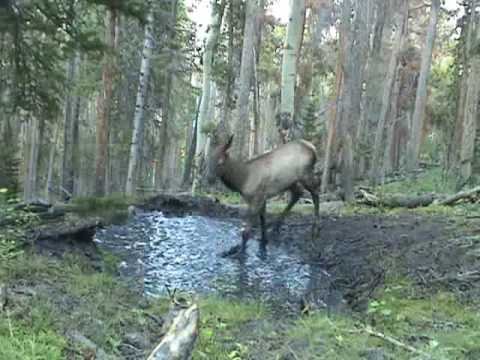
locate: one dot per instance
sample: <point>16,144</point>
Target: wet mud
<point>176,242</point>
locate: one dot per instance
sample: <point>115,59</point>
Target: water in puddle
<point>183,253</point>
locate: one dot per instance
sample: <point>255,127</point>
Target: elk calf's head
<point>217,160</point>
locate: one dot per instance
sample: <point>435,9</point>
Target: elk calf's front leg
<point>246,234</point>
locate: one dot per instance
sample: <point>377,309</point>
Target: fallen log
<point>396,200</point>
<point>178,342</point>
<point>451,200</point>
<point>83,231</point>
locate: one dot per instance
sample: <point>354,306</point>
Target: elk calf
<point>286,168</point>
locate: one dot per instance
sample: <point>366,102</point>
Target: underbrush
<point>432,180</point>
<point>49,299</point>
<point>399,324</point>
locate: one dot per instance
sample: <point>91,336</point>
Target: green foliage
<point>18,341</point>
<point>309,122</point>
<point>13,225</point>
<point>9,162</point>
<point>209,127</point>
<point>432,180</point>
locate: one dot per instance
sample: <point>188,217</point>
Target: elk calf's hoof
<point>262,252</point>
<point>232,251</point>
<point>246,234</point>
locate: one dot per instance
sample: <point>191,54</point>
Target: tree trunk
<point>245,79</point>
<point>332,125</point>
<point>76,142</point>
<point>211,43</point>
<point>138,120</point>
<point>217,11</point>
<point>68,169</point>
<point>466,123</point>
<point>421,96</point>
<point>104,103</point>
<point>191,146</point>
<point>379,148</point>
<point>51,162</point>
<point>30,188</point>
<point>291,52</point>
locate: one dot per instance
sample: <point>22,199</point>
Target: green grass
<point>439,324</point>
<point>19,341</point>
<point>221,323</point>
<point>69,295</point>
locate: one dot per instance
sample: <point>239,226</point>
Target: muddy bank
<point>176,240</point>
<point>340,270</point>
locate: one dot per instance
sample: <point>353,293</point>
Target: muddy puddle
<point>184,253</point>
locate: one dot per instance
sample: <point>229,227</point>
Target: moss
<point>101,205</point>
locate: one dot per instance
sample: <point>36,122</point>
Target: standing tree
<point>466,123</point>
<point>421,96</point>
<point>217,8</point>
<point>104,101</point>
<point>291,52</point>
<point>391,78</point>
<point>245,79</point>
<point>138,121</point>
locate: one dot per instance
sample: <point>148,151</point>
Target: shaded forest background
<point>106,96</point>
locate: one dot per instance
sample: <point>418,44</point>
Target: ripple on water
<point>183,253</point>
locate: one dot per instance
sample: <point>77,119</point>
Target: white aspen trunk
<point>138,120</point>
<point>217,10</point>
<point>245,79</point>
<point>291,52</point>
<point>211,42</point>
<point>421,96</point>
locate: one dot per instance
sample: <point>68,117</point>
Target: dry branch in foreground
<point>178,342</point>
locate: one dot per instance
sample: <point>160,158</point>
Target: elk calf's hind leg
<point>263,228</point>
<point>312,188</point>
<point>295,194</point>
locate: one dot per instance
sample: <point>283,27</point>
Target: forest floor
<point>404,284</point>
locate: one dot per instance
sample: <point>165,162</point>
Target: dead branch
<point>178,342</point>
<point>394,341</point>
<point>459,196</point>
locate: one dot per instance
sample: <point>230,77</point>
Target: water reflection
<point>183,253</point>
